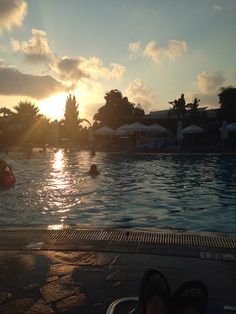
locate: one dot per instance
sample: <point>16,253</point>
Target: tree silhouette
<point>6,112</point>
<point>179,108</point>
<point>227,100</point>
<point>25,121</point>
<point>26,109</point>
<point>117,110</point>
<point>71,121</point>
<point>195,114</point>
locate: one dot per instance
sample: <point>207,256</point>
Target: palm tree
<point>26,109</point>
<point>193,110</point>
<point>179,107</point>
<point>25,120</point>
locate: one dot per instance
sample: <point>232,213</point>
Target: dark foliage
<point>118,110</point>
<point>227,100</point>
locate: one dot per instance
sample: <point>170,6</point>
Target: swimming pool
<point>133,191</point>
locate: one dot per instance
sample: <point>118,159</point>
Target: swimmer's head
<point>93,170</point>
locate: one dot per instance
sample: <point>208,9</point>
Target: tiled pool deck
<point>50,274</point>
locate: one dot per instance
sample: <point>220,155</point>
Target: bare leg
<point>156,306</point>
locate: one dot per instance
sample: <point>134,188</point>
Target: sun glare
<point>53,107</point>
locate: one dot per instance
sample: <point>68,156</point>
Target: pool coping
<point>206,245</point>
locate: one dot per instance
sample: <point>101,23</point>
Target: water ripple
<point>176,192</point>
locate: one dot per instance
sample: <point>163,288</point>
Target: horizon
<point>151,52</point>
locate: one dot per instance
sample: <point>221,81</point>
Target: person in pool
<point>93,170</point>
<point>7,177</point>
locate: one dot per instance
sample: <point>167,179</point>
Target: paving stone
<point>28,287</point>
<point>104,280</point>
<point>74,258</point>
<point>104,259</point>
<point>86,258</point>
<point>51,279</point>
<point>57,290</point>
<point>71,303</point>
<point>61,269</point>
<point>39,308</point>
<point>17,306</point>
<point>4,296</point>
<point>124,275</point>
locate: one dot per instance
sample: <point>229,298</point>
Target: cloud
<point>117,71</point>
<point>208,86</point>
<point>208,83</point>
<point>14,82</point>
<point>36,49</point>
<point>135,46</point>
<point>12,13</point>
<point>2,48</point>
<point>135,49</point>
<point>138,92</point>
<point>78,68</point>
<point>209,100</point>
<point>173,50</point>
<point>153,51</point>
<point>216,7</point>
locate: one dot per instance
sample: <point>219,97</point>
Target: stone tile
<point>4,296</point>
<point>17,306</point>
<point>124,275</point>
<point>104,259</point>
<point>74,258</point>
<point>38,308</point>
<point>28,287</point>
<point>61,269</point>
<point>71,303</point>
<point>51,279</point>
<point>57,290</point>
<point>86,258</point>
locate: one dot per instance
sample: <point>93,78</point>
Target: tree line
<point>227,111</point>
<point>26,125</point>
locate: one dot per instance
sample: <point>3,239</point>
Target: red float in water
<point>9,180</point>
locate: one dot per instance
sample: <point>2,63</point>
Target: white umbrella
<point>156,128</point>
<point>105,130</point>
<point>224,131</point>
<point>231,127</point>
<point>192,129</point>
<point>122,130</point>
<point>137,127</point>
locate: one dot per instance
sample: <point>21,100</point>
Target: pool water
<point>133,191</point>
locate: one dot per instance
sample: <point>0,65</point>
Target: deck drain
<point>202,239</point>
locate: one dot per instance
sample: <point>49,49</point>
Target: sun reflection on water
<point>56,227</point>
<point>59,184</point>
<point>59,162</point>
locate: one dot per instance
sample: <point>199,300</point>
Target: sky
<point>152,51</point>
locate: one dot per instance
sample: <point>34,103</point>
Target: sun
<point>53,107</point>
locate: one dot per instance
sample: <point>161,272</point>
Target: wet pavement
<point>86,282</point>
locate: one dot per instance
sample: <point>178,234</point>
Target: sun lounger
<point>127,306</point>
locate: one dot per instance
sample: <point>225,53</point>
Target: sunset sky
<point>152,51</point>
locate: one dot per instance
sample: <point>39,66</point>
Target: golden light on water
<point>56,227</point>
<point>59,162</point>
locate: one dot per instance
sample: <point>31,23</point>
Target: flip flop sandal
<point>153,283</point>
<point>191,294</point>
